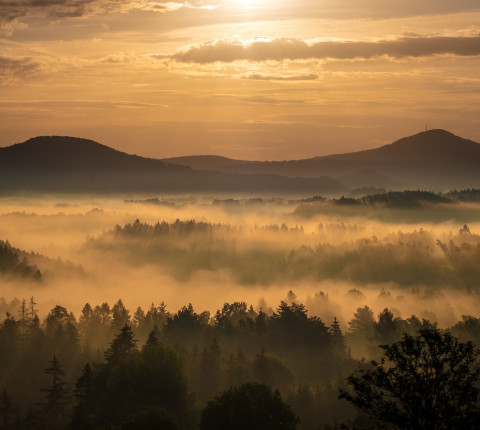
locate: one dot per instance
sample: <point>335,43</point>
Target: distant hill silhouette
<point>435,158</point>
<point>439,146</point>
<point>367,178</point>
<point>72,153</point>
<point>65,164</point>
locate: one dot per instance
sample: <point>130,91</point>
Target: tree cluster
<point>112,369</point>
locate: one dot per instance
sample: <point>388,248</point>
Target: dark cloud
<point>13,69</point>
<point>297,49</point>
<point>9,18</point>
<point>15,14</point>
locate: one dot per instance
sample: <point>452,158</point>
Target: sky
<point>254,79</point>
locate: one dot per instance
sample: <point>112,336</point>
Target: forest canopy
<point>114,365</point>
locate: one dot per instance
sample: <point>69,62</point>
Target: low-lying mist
<point>209,250</point>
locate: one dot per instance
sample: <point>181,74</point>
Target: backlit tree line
<point>111,368</point>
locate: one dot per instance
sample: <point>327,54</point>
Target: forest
<point>112,367</point>
<point>181,312</point>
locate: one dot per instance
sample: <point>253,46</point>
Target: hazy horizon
<point>225,156</point>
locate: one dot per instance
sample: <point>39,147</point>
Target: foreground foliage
<point>428,381</point>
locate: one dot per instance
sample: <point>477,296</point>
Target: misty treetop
<point>408,206</point>
<point>184,248</point>
<point>14,262</point>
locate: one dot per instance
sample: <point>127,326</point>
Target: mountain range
<point>435,159</point>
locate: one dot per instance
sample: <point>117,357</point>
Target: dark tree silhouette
<point>428,381</point>
<point>120,315</point>
<point>250,406</point>
<point>387,328</point>
<point>271,371</point>
<point>210,371</point>
<point>82,391</point>
<point>153,338</point>
<point>338,341</point>
<point>122,346</point>
<point>363,321</point>
<point>8,411</point>
<point>57,396</point>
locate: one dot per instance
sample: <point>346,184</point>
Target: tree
<point>250,406</point>
<point>210,375</point>
<point>186,326</point>
<point>82,391</point>
<point>239,370</point>
<point>32,310</point>
<point>8,411</point>
<point>271,371</point>
<point>362,321</point>
<point>427,381</point>
<point>120,315</point>
<point>122,346</point>
<point>22,312</point>
<point>58,395</point>
<point>153,338</point>
<point>338,341</point>
<point>148,379</point>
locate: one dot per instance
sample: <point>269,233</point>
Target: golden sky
<point>246,79</point>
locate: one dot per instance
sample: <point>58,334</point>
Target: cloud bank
<point>279,49</point>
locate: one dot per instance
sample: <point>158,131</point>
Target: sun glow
<point>248,4</point>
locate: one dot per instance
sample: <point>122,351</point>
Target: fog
<point>208,250</point>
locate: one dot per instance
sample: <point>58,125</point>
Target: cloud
<point>229,50</point>
<point>10,19</point>
<point>259,77</point>
<point>14,14</point>
<point>14,69</point>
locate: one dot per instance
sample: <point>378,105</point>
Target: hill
<point>14,263</point>
<point>66,164</point>
<point>435,158</point>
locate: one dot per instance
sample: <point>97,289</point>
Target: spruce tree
<point>338,341</point>
<point>82,392</point>
<point>57,395</point>
<point>122,346</point>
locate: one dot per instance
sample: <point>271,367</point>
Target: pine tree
<point>153,338</point>
<point>83,384</point>
<point>57,395</point>
<point>32,311</point>
<point>122,346</point>
<point>23,312</point>
<point>338,341</point>
<point>82,393</point>
<point>120,315</point>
